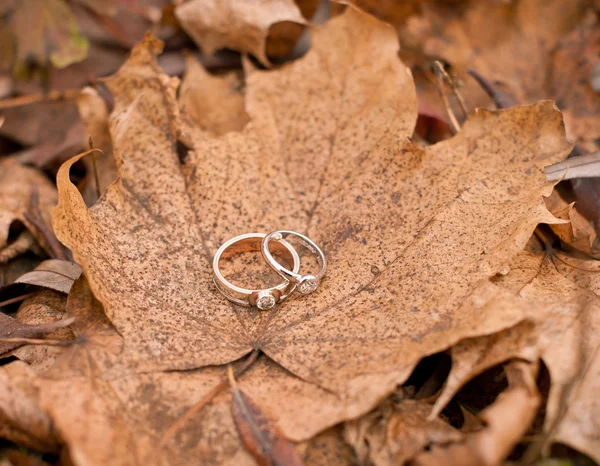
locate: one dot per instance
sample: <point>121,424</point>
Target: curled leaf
<point>55,274</point>
<point>237,24</point>
<point>261,438</point>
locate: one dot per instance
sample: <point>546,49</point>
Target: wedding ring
<point>262,299</point>
<point>306,283</point>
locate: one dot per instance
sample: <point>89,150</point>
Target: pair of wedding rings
<point>269,245</point>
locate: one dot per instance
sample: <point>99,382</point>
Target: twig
<point>439,81</point>
<point>16,300</point>
<point>38,97</point>
<point>37,341</point>
<point>501,100</point>
<point>96,177</point>
<point>172,431</point>
<point>440,67</point>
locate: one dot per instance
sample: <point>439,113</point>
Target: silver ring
<point>263,299</point>
<point>306,283</point>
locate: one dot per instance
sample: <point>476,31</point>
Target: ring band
<point>306,283</point>
<point>263,299</point>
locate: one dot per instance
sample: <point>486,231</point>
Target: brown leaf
<point>24,242</point>
<point>506,420</point>
<point>394,434</point>
<point>412,235</point>
<point>44,31</point>
<point>17,183</point>
<point>36,124</point>
<point>579,233</point>
<point>327,448</point>
<point>561,43</point>
<point>22,421</point>
<point>11,328</point>
<point>580,420</point>
<point>573,62</point>
<point>55,274</point>
<point>260,437</point>
<point>43,307</point>
<point>54,152</point>
<point>237,24</point>
<point>562,330</point>
<point>213,103</point>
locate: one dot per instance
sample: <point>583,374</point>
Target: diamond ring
<point>262,299</point>
<point>306,283</point>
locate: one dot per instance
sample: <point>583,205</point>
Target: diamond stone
<point>265,301</point>
<point>308,285</point>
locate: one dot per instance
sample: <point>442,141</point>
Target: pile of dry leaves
<point>459,319</point>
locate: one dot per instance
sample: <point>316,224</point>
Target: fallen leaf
<point>43,307</point>
<point>24,242</point>
<point>236,24</point>
<point>579,233</point>
<point>561,42</point>
<point>14,268</point>
<point>44,31</point>
<point>55,152</point>
<point>506,420</point>
<point>573,62</point>
<point>36,124</point>
<point>329,447</point>
<point>17,184</point>
<point>13,329</point>
<point>562,330</point>
<point>395,222</point>
<point>213,103</point>
<point>395,434</point>
<point>55,274</point>
<point>579,423</point>
<point>260,437</point>
<point>22,421</point>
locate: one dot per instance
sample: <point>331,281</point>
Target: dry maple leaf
<point>439,200</point>
<point>412,237</point>
<point>235,24</point>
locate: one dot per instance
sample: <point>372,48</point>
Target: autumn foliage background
<point>416,141</point>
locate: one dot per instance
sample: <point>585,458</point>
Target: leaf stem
<point>37,341</point>
<point>440,77</point>
<point>96,177</point>
<point>16,300</point>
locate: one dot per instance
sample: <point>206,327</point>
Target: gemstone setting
<point>265,301</point>
<point>308,285</point>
